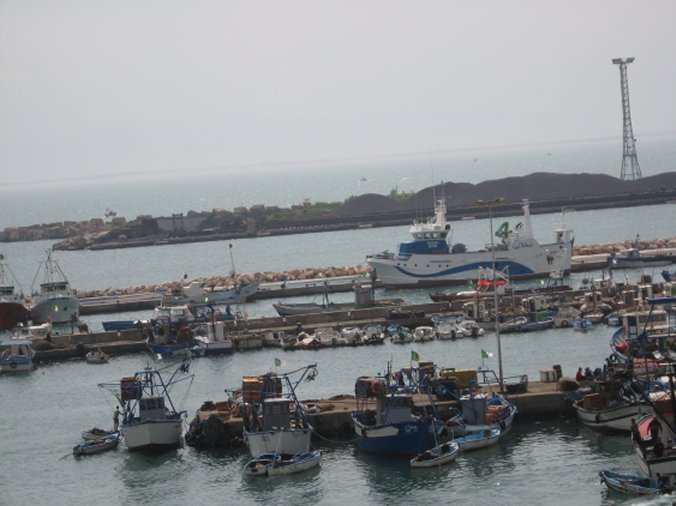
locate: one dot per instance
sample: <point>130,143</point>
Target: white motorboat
<point>96,357</point>
<point>428,260</point>
<point>213,339</point>
<point>55,301</point>
<point>424,334</point>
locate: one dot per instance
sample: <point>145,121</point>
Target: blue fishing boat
<point>384,421</point>
<point>476,439</point>
<point>633,484</point>
<point>102,444</point>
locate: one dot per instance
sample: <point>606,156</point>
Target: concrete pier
<point>332,421</point>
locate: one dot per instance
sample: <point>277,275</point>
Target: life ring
<point>374,387</point>
<point>13,365</point>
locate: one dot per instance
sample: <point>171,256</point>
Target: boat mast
<point>232,263</point>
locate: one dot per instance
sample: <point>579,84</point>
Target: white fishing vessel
<point>428,260</point>
<point>283,427</point>
<point>55,301</point>
<point>151,420</point>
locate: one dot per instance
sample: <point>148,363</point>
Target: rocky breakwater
<point>225,282</point>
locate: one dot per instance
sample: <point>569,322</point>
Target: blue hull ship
<point>384,422</point>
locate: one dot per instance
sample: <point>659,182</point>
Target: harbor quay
<point>217,424</point>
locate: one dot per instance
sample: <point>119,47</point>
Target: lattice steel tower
<point>630,167</point>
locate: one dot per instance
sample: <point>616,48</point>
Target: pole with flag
<point>414,357</point>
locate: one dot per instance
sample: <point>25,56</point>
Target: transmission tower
<point>630,167</point>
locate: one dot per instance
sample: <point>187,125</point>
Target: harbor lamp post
<point>490,204</point>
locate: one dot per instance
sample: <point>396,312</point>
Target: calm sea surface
<point>550,462</point>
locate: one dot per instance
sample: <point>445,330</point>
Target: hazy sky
<point>91,87</point>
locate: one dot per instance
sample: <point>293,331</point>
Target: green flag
<point>414,356</point>
<point>485,354</point>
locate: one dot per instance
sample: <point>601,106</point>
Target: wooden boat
<point>632,484</point>
<point>96,433</point>
<point>478,439</point>
<point>437,456</point>
<point>96,357</point>
<point>97,445</point>
<point>273,464</point>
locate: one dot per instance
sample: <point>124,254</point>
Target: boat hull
<point>61,309</point>
<point>629,484</point>
<point>477,440</point>
<point>95,446</point>
<point>16,365</point>
<point>615,419</point>
<point>12,313</point>
<point>273,465</point>
<point>401,438</point>
<point>153,434</point>
<point>286,441</point>
<point>437,456</point>
<point>457,268</point>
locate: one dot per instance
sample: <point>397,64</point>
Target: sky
<point>94,88</point>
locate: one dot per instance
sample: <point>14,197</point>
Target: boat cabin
<point>54,286</point>
<point>152,408</point>
<point>635,322</point>
<point>277,413</point>
<point>396,408</point>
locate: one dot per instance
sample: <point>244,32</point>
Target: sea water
<point>553,461</point>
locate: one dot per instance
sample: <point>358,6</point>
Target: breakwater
<point>311,279</point>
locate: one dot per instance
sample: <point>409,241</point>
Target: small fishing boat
<point>96,357</point>
<point>16,355</point>
<point>399,334</point>
<point>282,426</point>
<point>632,484</point>
<point>150,418</point>
<point>437,456</point>
<point>478,439</point>
<point>96,433</point>
<point>97,445</point>
<point>424,333</point>
<point>633,258</point>
<point>273,464</point>
<point>582,324</point>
